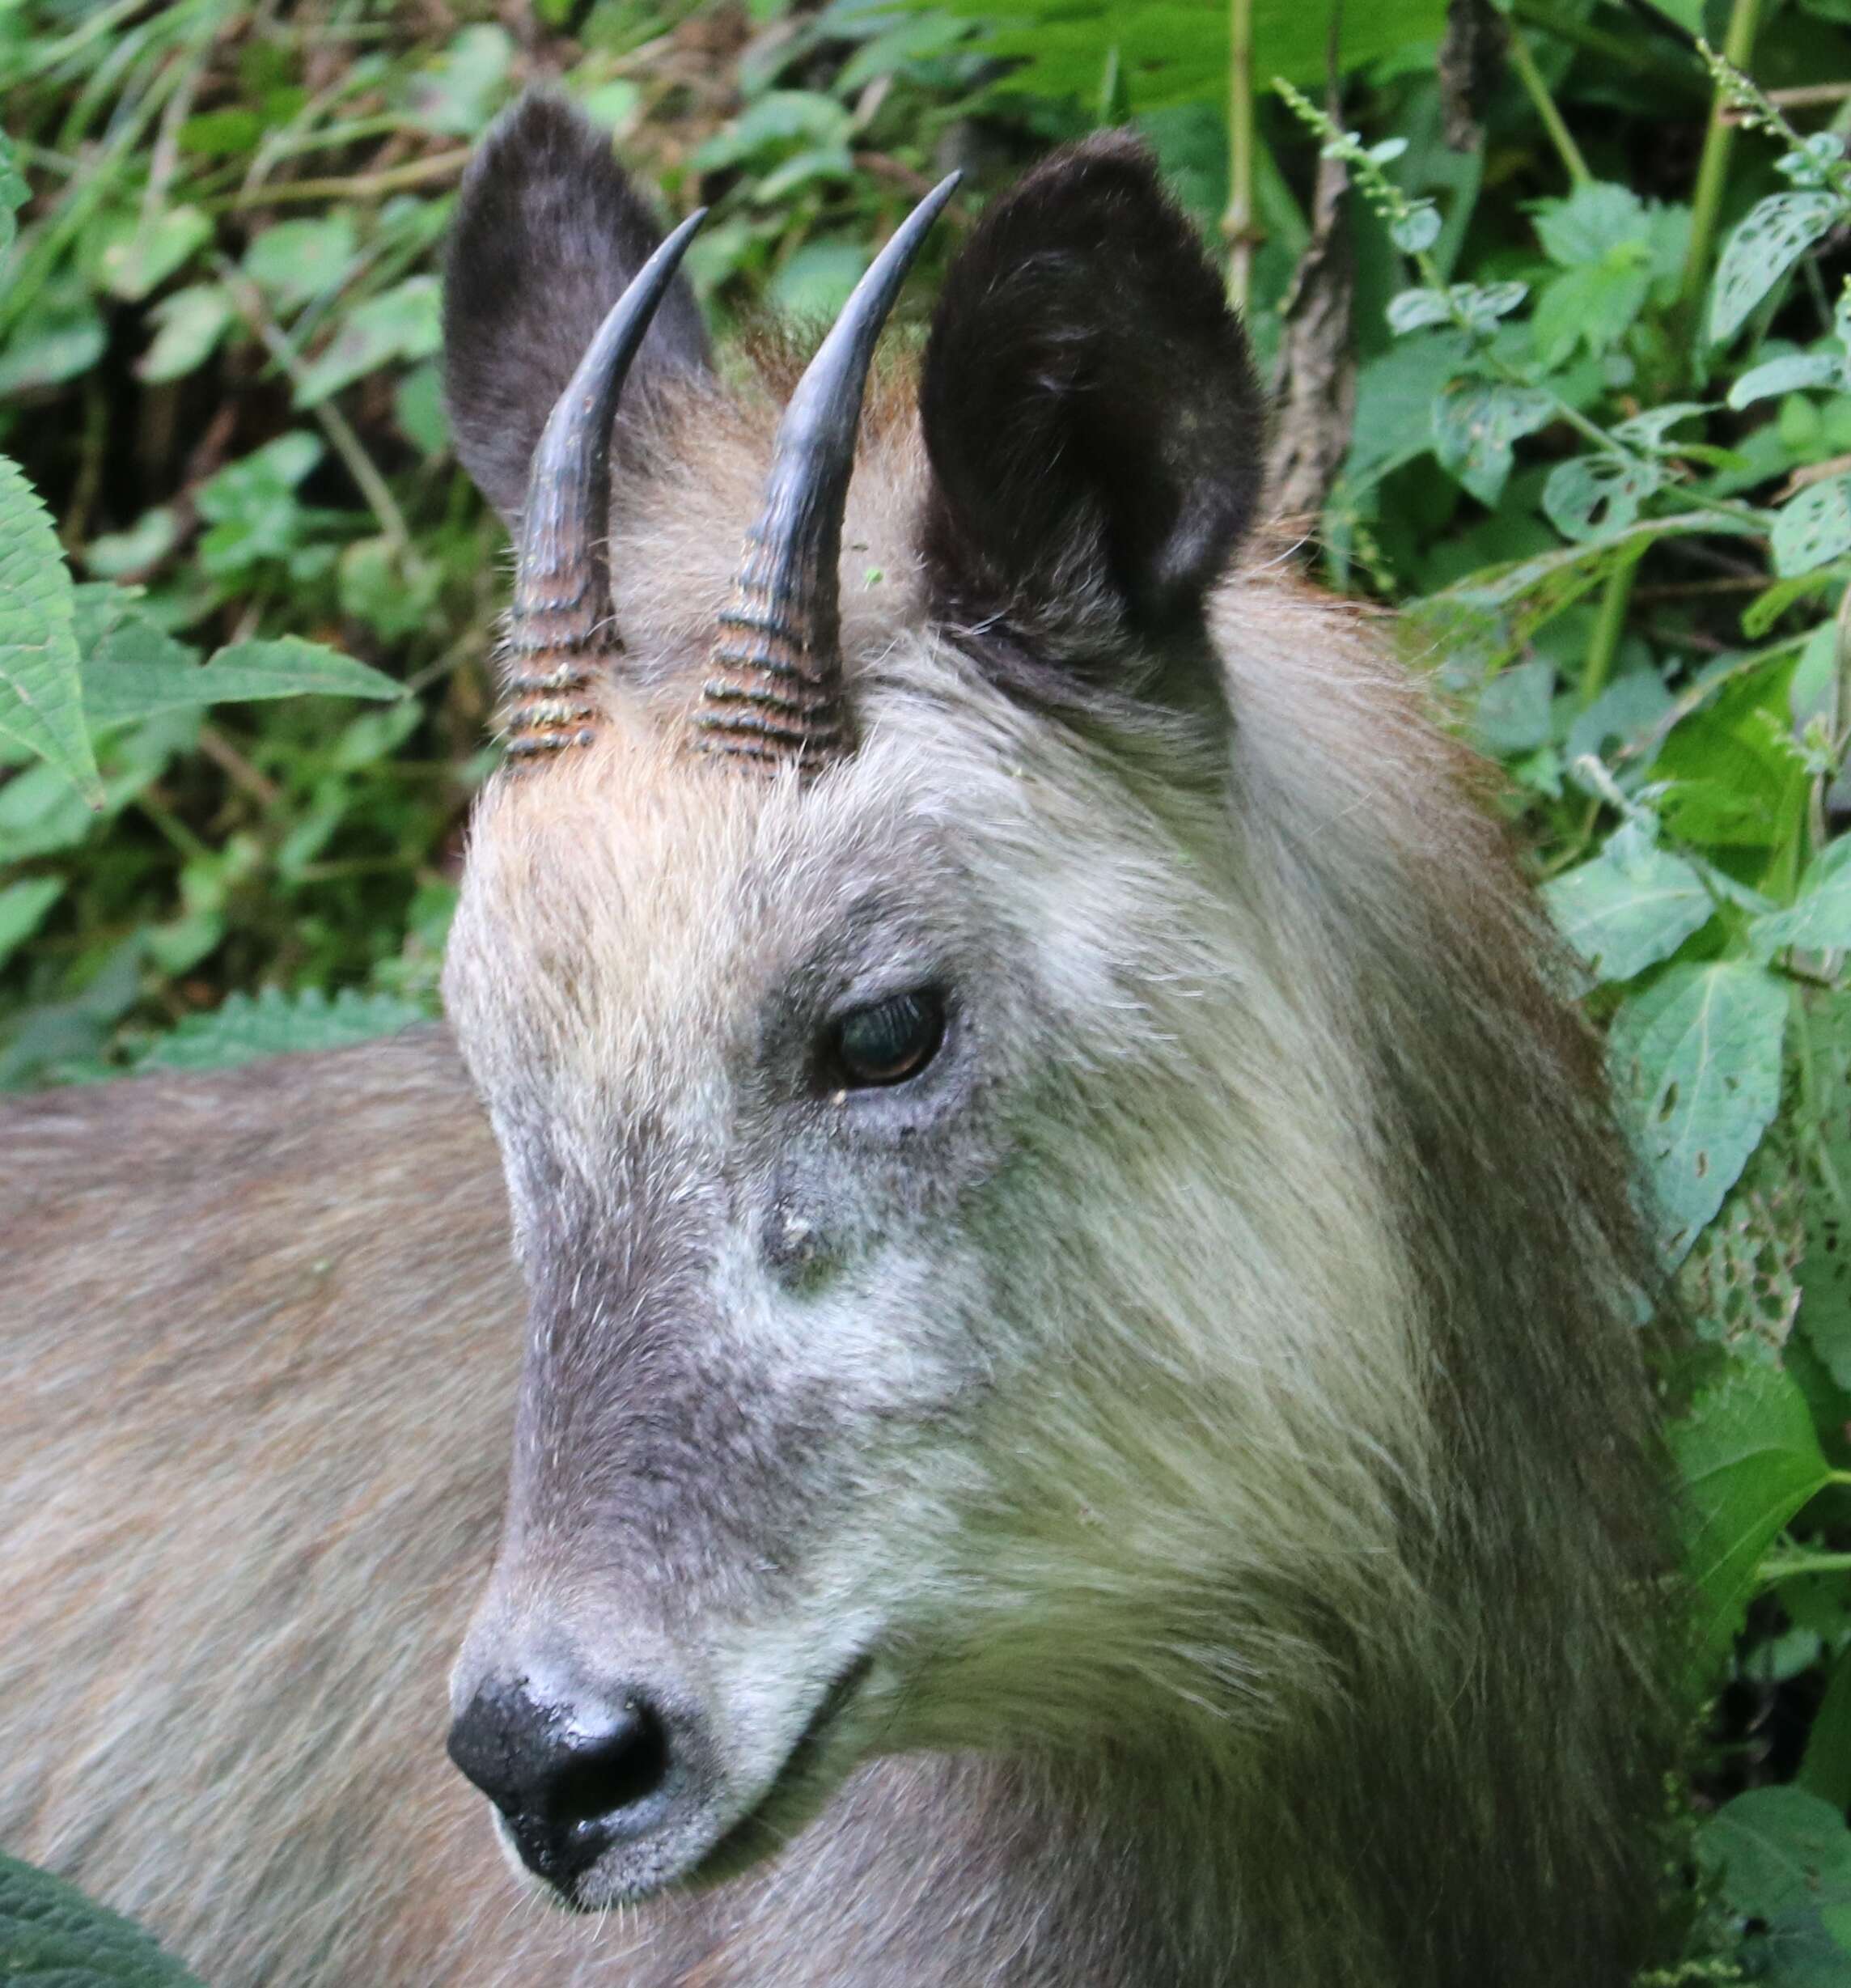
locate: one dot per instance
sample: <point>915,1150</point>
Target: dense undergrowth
<point>1587,410</point>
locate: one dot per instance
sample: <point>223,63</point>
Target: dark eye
<point>888,1040</point>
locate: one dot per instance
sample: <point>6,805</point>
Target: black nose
<point>572,1775</point>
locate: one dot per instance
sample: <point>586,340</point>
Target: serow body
<point>1059,1285</point>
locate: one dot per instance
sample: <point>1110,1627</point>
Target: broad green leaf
<point>780,120</point>
<point>1825,1770</point>
<point>61,336</point>
<point>252,504</point>
<point>1698,1056</point>
<point>23,908</point>
<point>142,672</point>
<point>815,282</point>
<point>40,700</point>
<point>245,1030</point>
<point>188,327</point>
<point>1593,306</point>
<point>1749,1459</point>
<point>1586,225</point>
<point>1513,714</point>
<point>458,92</point>
<point>1813,527</point>
<point>402,322</point>
<point>1632,906</point>
<point>51,1936</point>
<point>1795,373</point>
<point>148,252</point>
<point>146,543</point>
<point>1475,423</point>
<point>1591,497</point>
<point>1782,1859</point>
<point>1770,239</point>
<point>296,261</point>
<point>1819,917</point>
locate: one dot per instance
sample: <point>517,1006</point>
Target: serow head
<point>843,960</point>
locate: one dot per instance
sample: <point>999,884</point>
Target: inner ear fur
<point>548,232</point>
<point>1090,412</point>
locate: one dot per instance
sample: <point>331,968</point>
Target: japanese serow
<point>1080,1420</point>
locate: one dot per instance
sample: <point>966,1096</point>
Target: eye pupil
<point>889,1041</point>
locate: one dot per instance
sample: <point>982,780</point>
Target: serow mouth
<point>796,1792</point>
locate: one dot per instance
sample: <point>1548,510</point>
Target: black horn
<point>562,617</point>
<point>775,692</point>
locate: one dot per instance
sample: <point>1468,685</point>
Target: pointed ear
<point>1089,411</point>
<point>548,231</point>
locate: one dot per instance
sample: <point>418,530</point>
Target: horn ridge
<point>775,690</point>
<point>560,624</point>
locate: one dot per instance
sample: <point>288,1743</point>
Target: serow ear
<point>548,232</point>
<point>1090,415</point>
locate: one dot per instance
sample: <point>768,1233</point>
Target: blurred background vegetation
<point>1555,302</point>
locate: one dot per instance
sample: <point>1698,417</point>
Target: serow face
<point>806,965</point>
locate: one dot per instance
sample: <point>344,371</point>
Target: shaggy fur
<point>1208,1395</point>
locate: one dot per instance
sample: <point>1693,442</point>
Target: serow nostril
<point>608,1772</point>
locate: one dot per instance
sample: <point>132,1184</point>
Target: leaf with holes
<point>1632,906</point>
<point>1795,372</point>
<point>1697,1059</point>
<point>1475,423</point>
<point>51,1934</point>
<point>1749,1459</point>
<point>1772,237</point>
<point>1812,528</point>
<point>1590,497</point>
<point>40,702</point>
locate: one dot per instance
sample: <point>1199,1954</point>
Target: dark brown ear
<point>1089,411</point>
<point>548,231</point>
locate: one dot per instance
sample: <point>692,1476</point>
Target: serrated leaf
<point>1782,1859</point>
<point>142,671</point>
<point>1632,906</point>
<point>40,697</point>
<point>1697,1056</point>
<point>1796,372</point>
<point>1819,918</point>
<point>1585,225</point>
<point>1812,528</point>
<point>1591,497</point>
<point>1593,306</point>
<point>1774,233</point>
<point>1749,1459</point>
<point>50,1933</point>
<point>245,1030</point>
<point>1475,421</point>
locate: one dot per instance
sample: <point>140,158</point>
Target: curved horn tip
<point>777,690</point>
<point>562,607</point>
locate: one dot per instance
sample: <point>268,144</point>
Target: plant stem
<point>1610,624</point>
<point>1713,168</point>
<point>1237,224</point>
<point>1560,136</point>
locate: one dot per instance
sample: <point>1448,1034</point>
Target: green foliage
<point>51,1934</point>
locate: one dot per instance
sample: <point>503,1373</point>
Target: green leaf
<point>815,282</point>
<point>1594,307</point>
<point>51,1934</point>
<point>1587,224</point>
<point>1783,1858</point>
<point>1749,1459</point>
<point>1632,906</point>
<point>294,261</point>
<point>1476,421</point>
<point>23,908</point>
<point>1819,918</point>
<point>140,671</point>
<point>14,194</point>
<point>1592,497</point>
<point>1813,527</point>
<point>244,1030</point>
<point>60,336</point>
<point>459,91</point>
<point>780,120</point>
<point>1794,373</point>
<point>40,700</point>
<point>1698,1057</point>
<point>148,252</point>
<point>188,326</point>
<point>402,322</point>
<point>1771,238</point>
